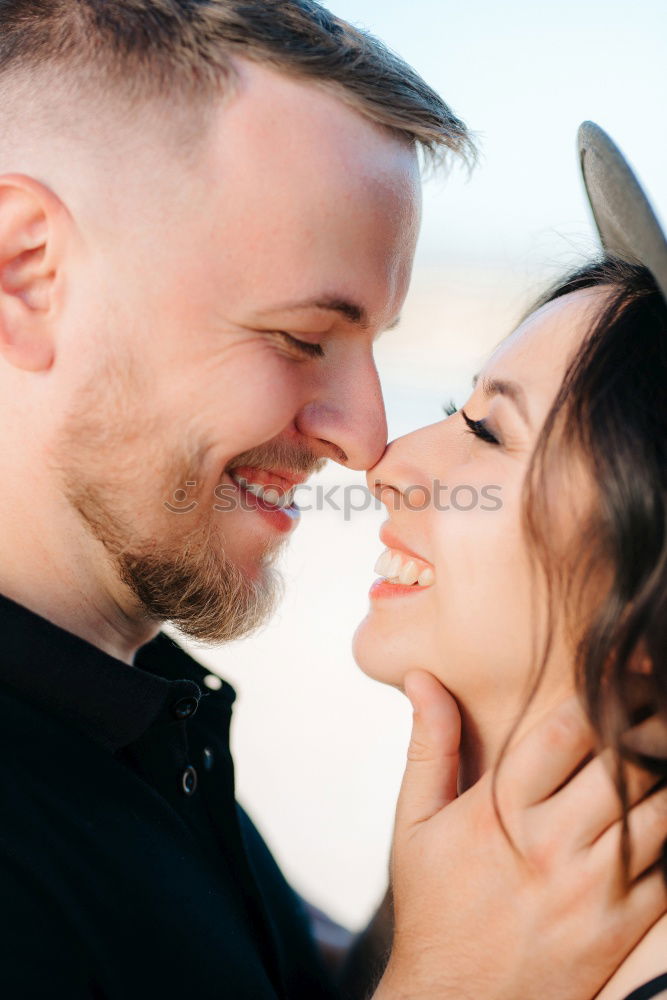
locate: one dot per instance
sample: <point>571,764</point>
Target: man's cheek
<point>259,405</point>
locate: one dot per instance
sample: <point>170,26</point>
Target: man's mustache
<point>276,455</point>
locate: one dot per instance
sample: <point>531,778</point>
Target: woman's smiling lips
<point>402,571</point>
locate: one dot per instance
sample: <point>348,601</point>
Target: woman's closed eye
<point>477,427</point>
<point>480,429</point>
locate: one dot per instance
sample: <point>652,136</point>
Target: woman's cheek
<point>482,583</point>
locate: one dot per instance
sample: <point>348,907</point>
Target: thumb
<point>431,773</point>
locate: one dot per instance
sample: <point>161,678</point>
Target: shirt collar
<point>113,702</point>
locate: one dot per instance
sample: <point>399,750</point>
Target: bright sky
<point>523,74</point>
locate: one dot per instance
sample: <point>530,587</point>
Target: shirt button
<point>189,781</point>
<point>208,758</point>
<point>184,708</point>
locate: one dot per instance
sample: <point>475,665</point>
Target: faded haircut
<point>181,52</point>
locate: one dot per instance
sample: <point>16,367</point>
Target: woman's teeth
<point>268,494</point>
<point>399,567</point>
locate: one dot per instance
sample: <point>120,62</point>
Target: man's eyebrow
<point>350,311</point>
<point>502,387</point>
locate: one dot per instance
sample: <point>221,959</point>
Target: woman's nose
<point>399,471</point>
<point>409,468</point>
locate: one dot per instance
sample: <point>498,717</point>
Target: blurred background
<point>320,748</point>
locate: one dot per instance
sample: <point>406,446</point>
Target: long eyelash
<point>450,408</point>
<point>479,429</point>
<point>303,346</point>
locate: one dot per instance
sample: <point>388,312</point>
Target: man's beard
<point>194,585</point>
<point>201,591</point>
<point>186,579</point>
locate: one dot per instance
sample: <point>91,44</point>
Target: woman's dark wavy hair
<point>610,418</point>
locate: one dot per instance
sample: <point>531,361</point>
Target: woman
<point>527,533</point>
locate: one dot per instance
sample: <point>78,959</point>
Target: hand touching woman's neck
<point>486,725</point>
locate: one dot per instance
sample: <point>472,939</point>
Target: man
<point>208,212</point>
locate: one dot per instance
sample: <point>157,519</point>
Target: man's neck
<point>54,568</point>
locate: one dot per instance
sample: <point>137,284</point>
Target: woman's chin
<point>376,654</point>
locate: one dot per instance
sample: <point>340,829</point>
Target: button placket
<point>181,710</point>
<point>184,708</point>
<point>189,781</point>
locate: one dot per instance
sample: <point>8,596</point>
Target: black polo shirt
<point>127,870</point>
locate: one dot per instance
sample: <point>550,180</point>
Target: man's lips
<point>272,489</point>
<point>275,506</point>
<point>282,480</point>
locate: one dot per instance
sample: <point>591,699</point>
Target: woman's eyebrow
<point>501,387</point>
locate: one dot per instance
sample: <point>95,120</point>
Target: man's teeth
<point>399,567</point>
<point>269,494</point>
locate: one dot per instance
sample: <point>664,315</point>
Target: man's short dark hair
<point>184,50</point>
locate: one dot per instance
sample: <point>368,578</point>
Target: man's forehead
<point>285,120</point>
<point>308,205</point>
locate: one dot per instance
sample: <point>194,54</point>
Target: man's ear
<point>28,272</point>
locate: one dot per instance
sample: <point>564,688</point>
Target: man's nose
<point>348,417</point>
